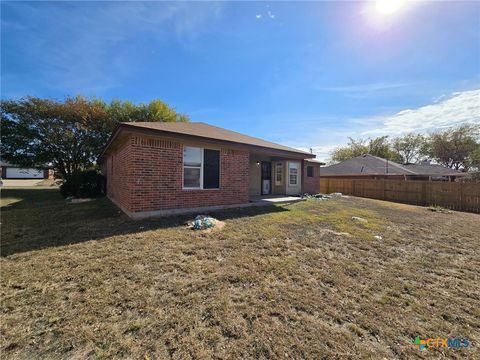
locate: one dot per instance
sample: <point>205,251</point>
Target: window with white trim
<point>292,174</point>
<point>192,167</point>
<point>201,168</point>
<point>278,173</point>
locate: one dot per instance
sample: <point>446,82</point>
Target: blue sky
<point>305,74</point>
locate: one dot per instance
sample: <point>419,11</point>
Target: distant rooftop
<point>431,169</point>
<point>373,165</point>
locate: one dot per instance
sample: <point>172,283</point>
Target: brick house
<point>157,168</point>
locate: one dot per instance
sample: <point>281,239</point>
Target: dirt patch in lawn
<point>297,281</point>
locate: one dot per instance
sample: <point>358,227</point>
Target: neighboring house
<point>372,167</point>
<point>10,171</point>
<point>156,168</point>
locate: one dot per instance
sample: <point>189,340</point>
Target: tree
<point>409,148</point>
<point>378,147</point>
<point>381,147</point>
<point>454,148</point>
<point>70,134</point>
<point>156,110</point>
<point>352,149</point>
<point>473,161</point>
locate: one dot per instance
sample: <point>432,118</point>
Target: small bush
<point>84,184</point>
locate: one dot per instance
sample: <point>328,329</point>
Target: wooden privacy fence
<point>452,195</point>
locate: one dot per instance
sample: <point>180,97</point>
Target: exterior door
<point>294,180</point>
<point>266,177</point>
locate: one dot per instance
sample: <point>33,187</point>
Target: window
<point>192,167</point>
<point>211,169</point>
<point>310,171</point>
<point>201,168</point>
<point>292,174</point>
<point>278,173</point>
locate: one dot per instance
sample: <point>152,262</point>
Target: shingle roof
<point>431,169</point>
<point>366,165</point>
<point>373,165</point>
<point>204,130</point>
<point>315,161</point>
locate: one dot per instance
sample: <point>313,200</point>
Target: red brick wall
<point>311,185</point>
<point>117,169</point>
<point>147,176</point>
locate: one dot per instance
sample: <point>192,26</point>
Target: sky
<point>304,74</point>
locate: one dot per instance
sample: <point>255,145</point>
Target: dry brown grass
<point>280,282</point>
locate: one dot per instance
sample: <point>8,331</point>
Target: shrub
<point>84,184</point>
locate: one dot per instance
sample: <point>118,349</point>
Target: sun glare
<point>388,7</point>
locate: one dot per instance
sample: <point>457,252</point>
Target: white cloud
<point>323,136</point>
<point>461,107</point>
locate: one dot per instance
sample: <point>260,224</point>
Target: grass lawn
<point>297,281</point>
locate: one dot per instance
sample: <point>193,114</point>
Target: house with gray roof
<point>159,168</point>
<point>367,166</point>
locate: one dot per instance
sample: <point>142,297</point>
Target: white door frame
<point>294,189</point>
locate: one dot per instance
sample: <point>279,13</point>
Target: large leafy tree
<point>455,148</point>
<point>378,147</point>
<point>69,134</point>
<point>473,162</point>
<point>409,147</point>
<point>352,149</point>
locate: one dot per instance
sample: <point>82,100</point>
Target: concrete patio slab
<point>274,199</point>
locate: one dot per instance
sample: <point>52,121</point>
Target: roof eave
<point>109,142</point>
<point>298,154</point>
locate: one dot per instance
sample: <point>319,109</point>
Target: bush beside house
<point>84,184</point>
